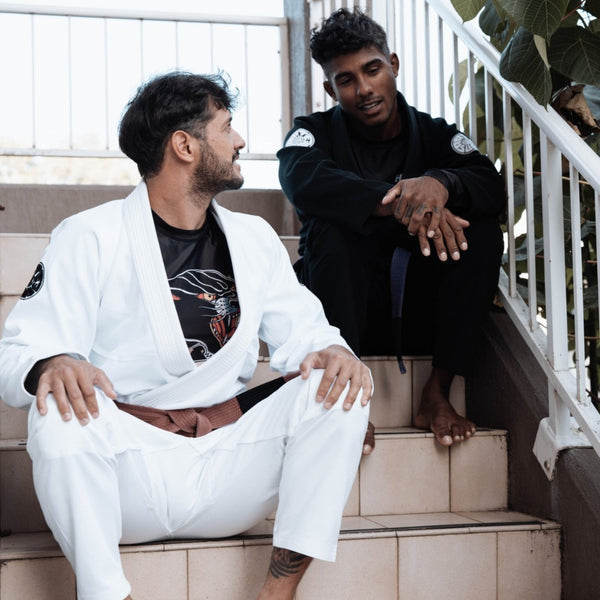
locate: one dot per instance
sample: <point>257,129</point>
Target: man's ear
<point>395,62</point>
<point>182,145</point>
<point>329,89</point>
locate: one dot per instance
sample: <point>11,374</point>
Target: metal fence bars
<point>549,283</point>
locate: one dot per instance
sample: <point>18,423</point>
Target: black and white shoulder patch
<point>36,283</point>
<point>301,137</point>
<point>461,144</point>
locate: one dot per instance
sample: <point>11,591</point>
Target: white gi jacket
<point>105,297</point>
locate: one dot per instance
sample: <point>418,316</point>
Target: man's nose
<point>239,141</point>
<point>363,86</point>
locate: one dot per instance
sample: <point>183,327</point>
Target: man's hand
<point>341,367</point>
<point>419,203</point>
<point>448,238</point>
<point>72,382</point>
<point>416,198</point>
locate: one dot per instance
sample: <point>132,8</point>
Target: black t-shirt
<point>200,275</point>
<point>382,161</point>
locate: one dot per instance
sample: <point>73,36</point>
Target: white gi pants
<point>120,480</point>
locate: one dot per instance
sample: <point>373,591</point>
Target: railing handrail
<point>571,411</point>
<point>547,119</point>
<point>137,15</point>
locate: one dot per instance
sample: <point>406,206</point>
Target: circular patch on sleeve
<point>36,283</point>
<point>301,137</point>
<point>461,144</point>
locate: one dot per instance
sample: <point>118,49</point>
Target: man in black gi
<point>383,190</point>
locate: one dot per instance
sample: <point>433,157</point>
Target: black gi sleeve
<point>476,189</point>
<point>318,187</point>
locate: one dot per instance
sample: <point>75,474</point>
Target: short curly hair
<point>166,103</point>
<point>344,32</point>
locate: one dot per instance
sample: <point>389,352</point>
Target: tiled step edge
<point>42,545</point>
<point>498,555</point>
<point>409,472</point>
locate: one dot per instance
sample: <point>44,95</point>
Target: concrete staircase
<point>422,521</point>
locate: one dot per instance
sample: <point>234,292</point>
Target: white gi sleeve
<point>293,321</point>
<point>57,313</point>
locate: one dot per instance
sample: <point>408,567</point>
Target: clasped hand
<point>419,203</point>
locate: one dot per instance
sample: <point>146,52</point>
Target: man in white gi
<point>149,310</point>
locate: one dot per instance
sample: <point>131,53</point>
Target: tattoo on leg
<point>285,563</point>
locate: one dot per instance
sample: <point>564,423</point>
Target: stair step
<point>407,473</point>
<point>496,555</point>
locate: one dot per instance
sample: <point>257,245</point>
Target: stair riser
<point>406,474</point>
<point>507,565</point>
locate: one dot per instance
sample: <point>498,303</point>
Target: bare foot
<point>369,442</point>
<point>436,412</point>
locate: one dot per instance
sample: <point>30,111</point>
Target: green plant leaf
<point>541,17</point>
<point>490,20</point>
<point>575,52</point>
<point>522,62</point>
<point>468,9</point>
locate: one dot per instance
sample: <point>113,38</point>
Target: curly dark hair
<point>344,32</point>
<point>165,104</point>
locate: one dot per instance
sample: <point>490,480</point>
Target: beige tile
<point>157,575</point>
<point>20,510</point>
<point>422,520</point>
<point>501,516</point>
<point>452,567</point>
<point>28,545</point>
<point>357,524</point>
<point>421,368</point>
<point>529,565</point>
<point>352,505</point>
<point>19,255</point>
<point>405,475</point>
<point>228,573</point>
<point>261,529</point>
<point>6,305</point>
<point>262,374</point>
<point>13,422</point>
<point>363,569</point>
<point>479,474</point>
<point>40,579</point>
<point>291,245</point>
<point>392,401</point>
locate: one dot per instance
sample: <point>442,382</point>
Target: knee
<point>485,241</point>
<point>357,412</point>
<point>327,240</point>
<point>50,436</point>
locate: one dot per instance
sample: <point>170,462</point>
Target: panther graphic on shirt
<point>207,299</point>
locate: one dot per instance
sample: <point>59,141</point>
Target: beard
<point>214,175</point>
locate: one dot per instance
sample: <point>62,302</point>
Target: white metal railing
<point>68,72</point>
<point>566,165</point>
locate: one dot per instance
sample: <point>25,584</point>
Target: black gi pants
<point>444,302</point>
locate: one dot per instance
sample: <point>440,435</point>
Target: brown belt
<point>196,422</point>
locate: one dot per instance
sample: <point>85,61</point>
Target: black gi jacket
<point>322,180</point>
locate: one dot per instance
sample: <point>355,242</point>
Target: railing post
<point>555,433</point>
